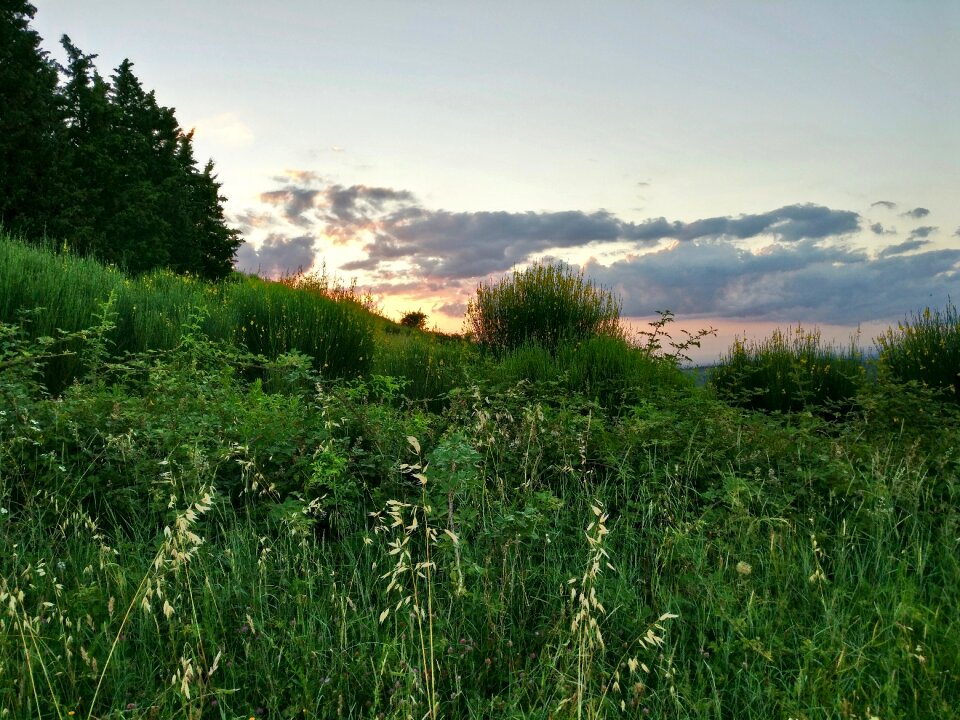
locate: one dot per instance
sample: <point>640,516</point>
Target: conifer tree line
<point>98,166</point>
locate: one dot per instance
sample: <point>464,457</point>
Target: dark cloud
<point>294,202</point>
<point>357,202</point>
<point>453,309</point>
<point>791,223</point>
<point>879,229</point>
<point>278,255</point>
<point>917,213</point>
<point>884,203</point>
<point>923,231</point>
<point>786,283</point>
<point>903,247</point>
<point>458,245</point>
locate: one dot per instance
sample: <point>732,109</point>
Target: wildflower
<point>744,568</point>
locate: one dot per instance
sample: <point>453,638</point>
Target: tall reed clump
<point>545,304</point>
<point>790,371</point>
<point>925,348</point>
<point>271,319</point>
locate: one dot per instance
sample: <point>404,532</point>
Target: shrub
<point>415,319</point>
<point>926,349</point>
<point>547,304</point>
<point>789,371</point>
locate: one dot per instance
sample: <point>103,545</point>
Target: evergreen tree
<point>31,125</point>
<point>100,165</point>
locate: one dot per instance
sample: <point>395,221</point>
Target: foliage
<point>188,540</point>
<point>789,371</point>
<point>652,341</point>
<point>31,124</point>
<point>429,365</point>
<point>271,319</point>
<point>605,369</point>
<point>546,304</point>
<point>330,287</point>
<point>925,349</point>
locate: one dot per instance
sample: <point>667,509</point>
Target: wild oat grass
<point>759,566</point>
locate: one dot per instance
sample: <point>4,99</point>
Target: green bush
<point>788,372</point>
<point>924,349</point>
<point>544,304</point>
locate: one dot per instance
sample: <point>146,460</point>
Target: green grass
<point>153,311</point>
<point>574,532</point>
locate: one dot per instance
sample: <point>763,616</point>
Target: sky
<point>746,165</point>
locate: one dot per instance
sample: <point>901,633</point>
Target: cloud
<point>461,245</point>
<point>453,309</point>
<point>884,203</point>
<point>923,231</point>
<point>879,229</point>
<point>903,247</point>
<point>803,281</point>
<point>278,255</point>
<point>787,264</point>
<point>294,202</point>
<point>226,129</point>
<point>917,213</point>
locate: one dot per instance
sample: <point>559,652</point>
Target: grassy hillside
<point>202,520</point>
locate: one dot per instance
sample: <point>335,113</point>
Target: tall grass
<point>547,304</point>
<point>271,319</point>
<point>925,349</point>
<point>605,369</point>
<point>430,365</point>
<point>532,552</point>
<point>789,371</point>
<point>151,311</point>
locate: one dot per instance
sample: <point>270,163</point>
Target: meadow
<point>261,500</point>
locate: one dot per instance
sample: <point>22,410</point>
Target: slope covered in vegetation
<point>200,525</point>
